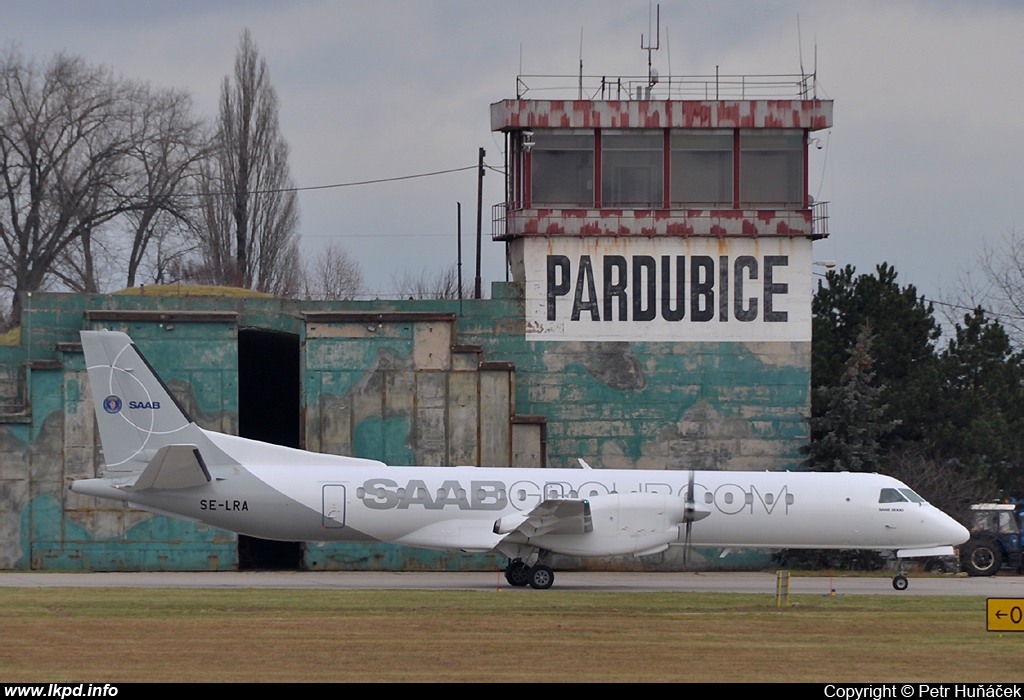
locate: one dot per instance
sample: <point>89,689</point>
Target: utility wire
<point>333,186</point>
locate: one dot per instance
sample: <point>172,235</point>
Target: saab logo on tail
<point>112,404</point>
<point>144,404</point>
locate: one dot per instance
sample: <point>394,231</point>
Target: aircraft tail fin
<point>137,415</point>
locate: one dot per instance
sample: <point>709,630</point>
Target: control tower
<point>674,210</point>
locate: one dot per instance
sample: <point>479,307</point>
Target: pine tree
<point>846,437</point>
<point>903,345</point>
<point>979,419</point>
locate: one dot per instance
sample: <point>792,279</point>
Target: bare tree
<point>333,274</point>
<point>168,146</point>
<point>63,140</point>
<point>251,213</point>
<point>165,146</point>
<point>91,168</point>
<point>995,282</point>
<point>429,285</point>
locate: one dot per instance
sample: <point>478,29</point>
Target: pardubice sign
<point>668,289</point>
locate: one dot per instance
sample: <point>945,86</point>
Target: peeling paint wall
<point>406,382</point>
<point>396,387</point>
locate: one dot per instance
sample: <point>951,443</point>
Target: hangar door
<point>268,410</point>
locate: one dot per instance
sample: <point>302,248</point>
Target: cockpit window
<point>914,498</point>
<point>891,496</point>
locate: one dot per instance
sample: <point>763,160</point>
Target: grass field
<point>119,635</point>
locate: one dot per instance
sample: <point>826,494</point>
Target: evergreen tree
<point>903,348</point>
<point>979,419</point>
<point>848,433</point>
<point>955,414</point>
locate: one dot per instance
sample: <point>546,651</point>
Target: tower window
<point>632,168</point>
<point>702,168</point>
<point>772,168</point>
<point>563,169</point>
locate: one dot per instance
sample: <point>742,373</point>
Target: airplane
<point>158,460</point>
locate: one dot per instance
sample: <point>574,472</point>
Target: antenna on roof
<point>804,88</point>
<point>800,47</point>
<point>581,65</point>
<point>668,50</point>
<point>800,44</point>
<point>815,74</point>
<point>652,74</point>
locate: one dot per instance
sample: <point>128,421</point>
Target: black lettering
<point>748,263</point>
<point>702,288</point>
<point>559,264</point>
<point>723,288</point>
<point>667,312</point>
<point>771,288</point>
<point>586,275</point>
<point>640,264</point>
<point>616,289</point>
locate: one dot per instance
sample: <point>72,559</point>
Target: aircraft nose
<point>953,532</point>
<point>959,534</point>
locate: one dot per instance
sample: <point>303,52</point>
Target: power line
<point>997,315</point>
<point>374,182</point>
<point>336,185</point>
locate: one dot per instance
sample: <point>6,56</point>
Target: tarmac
<point>1003,586</point>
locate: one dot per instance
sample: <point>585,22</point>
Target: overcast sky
<point>925,160</point>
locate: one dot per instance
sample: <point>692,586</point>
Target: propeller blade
<point>688,514</point>
<point>686,546</point>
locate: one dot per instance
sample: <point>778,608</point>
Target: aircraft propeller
<point>688,516</point>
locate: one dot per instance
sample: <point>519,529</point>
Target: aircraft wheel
<point>541,577</point>
<point>900,582</point>
<point>517,573</point>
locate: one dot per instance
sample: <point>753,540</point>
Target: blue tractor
<point>995,539</point>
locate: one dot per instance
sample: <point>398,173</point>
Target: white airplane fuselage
<point>293,495</point>
<point>157,459</point>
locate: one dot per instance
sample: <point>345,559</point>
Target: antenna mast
<point>652,74</point>
<point>580,96</point>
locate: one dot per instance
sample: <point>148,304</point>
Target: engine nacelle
<point>622,523</point>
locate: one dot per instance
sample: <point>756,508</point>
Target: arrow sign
<point>1005,614</point>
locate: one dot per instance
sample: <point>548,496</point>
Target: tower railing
<point>796,86</point>
<point>819,220</point>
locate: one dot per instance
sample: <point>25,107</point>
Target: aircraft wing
<point>555,516</point>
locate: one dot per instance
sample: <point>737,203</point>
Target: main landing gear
<point>519,573</point>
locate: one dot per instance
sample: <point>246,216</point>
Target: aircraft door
<point>333,506</point>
